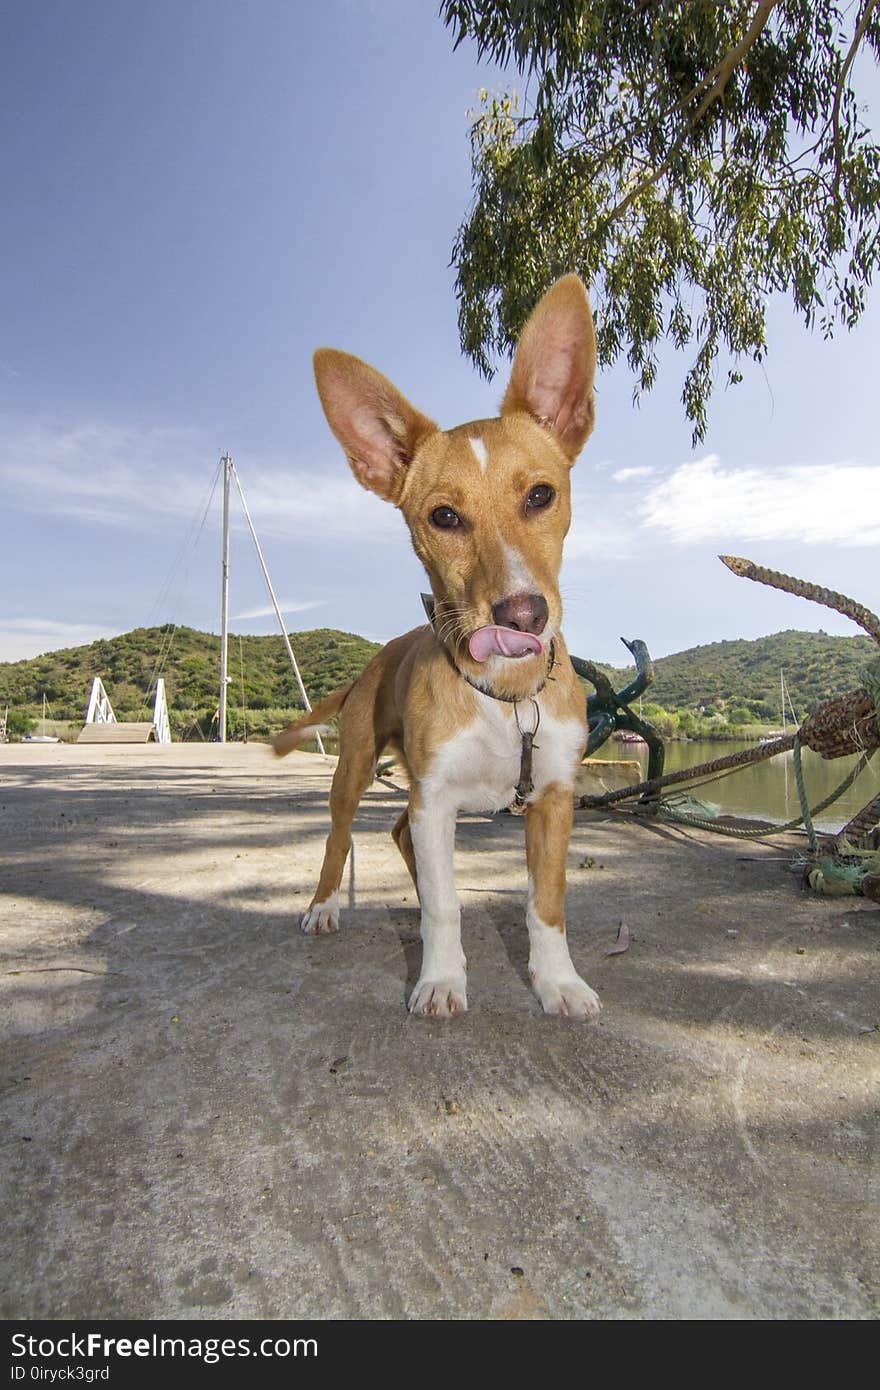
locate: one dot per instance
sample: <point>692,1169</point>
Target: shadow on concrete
<point>208,1114</point>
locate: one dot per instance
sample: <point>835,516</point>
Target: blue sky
<point>196,195</point>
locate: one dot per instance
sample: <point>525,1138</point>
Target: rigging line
<point>184,545</point>
<point>791,708</point>
<point>159,665</point>
<point>281,623</point>
<point>208,503</point>
<point>173,627</point>
<point>243,700</point>
<point>187,543</point>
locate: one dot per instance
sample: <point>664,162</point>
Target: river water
<point>767,790</point>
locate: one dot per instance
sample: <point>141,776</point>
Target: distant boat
<point>784,700</point>
<point>42,736</point>
<point>630,735</point>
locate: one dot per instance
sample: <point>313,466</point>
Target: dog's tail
<point>314,722</point>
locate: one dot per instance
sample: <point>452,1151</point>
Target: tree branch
<point>859,34</point>
<point>719,77</point>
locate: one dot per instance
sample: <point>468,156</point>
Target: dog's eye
<point>540,496</point>
<point>445,518</point>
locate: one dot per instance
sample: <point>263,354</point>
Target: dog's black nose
<point>522,612</point>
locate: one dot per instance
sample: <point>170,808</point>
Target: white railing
<point>100,710</point>
<point>161,722</point>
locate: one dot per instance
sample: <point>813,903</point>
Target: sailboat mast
<point>271,592</point>
<point>224,601</point>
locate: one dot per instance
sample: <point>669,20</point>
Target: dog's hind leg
<point>402,837</point>
<point>354,773</point>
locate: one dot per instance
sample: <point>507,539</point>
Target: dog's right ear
<point>376,426</point>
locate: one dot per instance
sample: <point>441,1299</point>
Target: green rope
<point>834,877</point>
<point>838,873</point>
<point>805,805</point>
<point>669,812</point>
<point>733,762</point>
<point>735,833</point>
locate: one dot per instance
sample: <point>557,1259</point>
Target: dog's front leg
<point>556,982</point>
<point>441,990</point>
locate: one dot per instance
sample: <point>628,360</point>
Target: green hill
<point>741,673</point>
<point>746,673</point>
<point>190,662</point>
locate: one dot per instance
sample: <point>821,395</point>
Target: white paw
<point>439,998</point>
<point>321,917</point>
<point>567,997</point>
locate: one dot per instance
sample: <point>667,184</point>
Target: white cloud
<point>286,606</point>
<point>137,479</point>
<point>98,472</point>
<point>599,537</point>
<point>306,505</point>
<point>820,504</point>
<point>624,475</point>
<point>597,531</point>
<point>21,638</point>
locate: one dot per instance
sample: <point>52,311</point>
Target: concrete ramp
<point>144,732</point>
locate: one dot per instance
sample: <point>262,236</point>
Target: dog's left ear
<point>555,365</point>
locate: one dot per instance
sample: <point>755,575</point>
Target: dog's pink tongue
<point>501,641</point>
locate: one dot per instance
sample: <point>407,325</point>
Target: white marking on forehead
<point>480,450</point>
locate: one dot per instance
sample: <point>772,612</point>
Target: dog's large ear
<point>376,426</point>
<point>555,364</point>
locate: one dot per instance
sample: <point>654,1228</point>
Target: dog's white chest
<point>479,767</point>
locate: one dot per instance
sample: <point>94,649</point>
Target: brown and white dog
<point>488,507</point>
